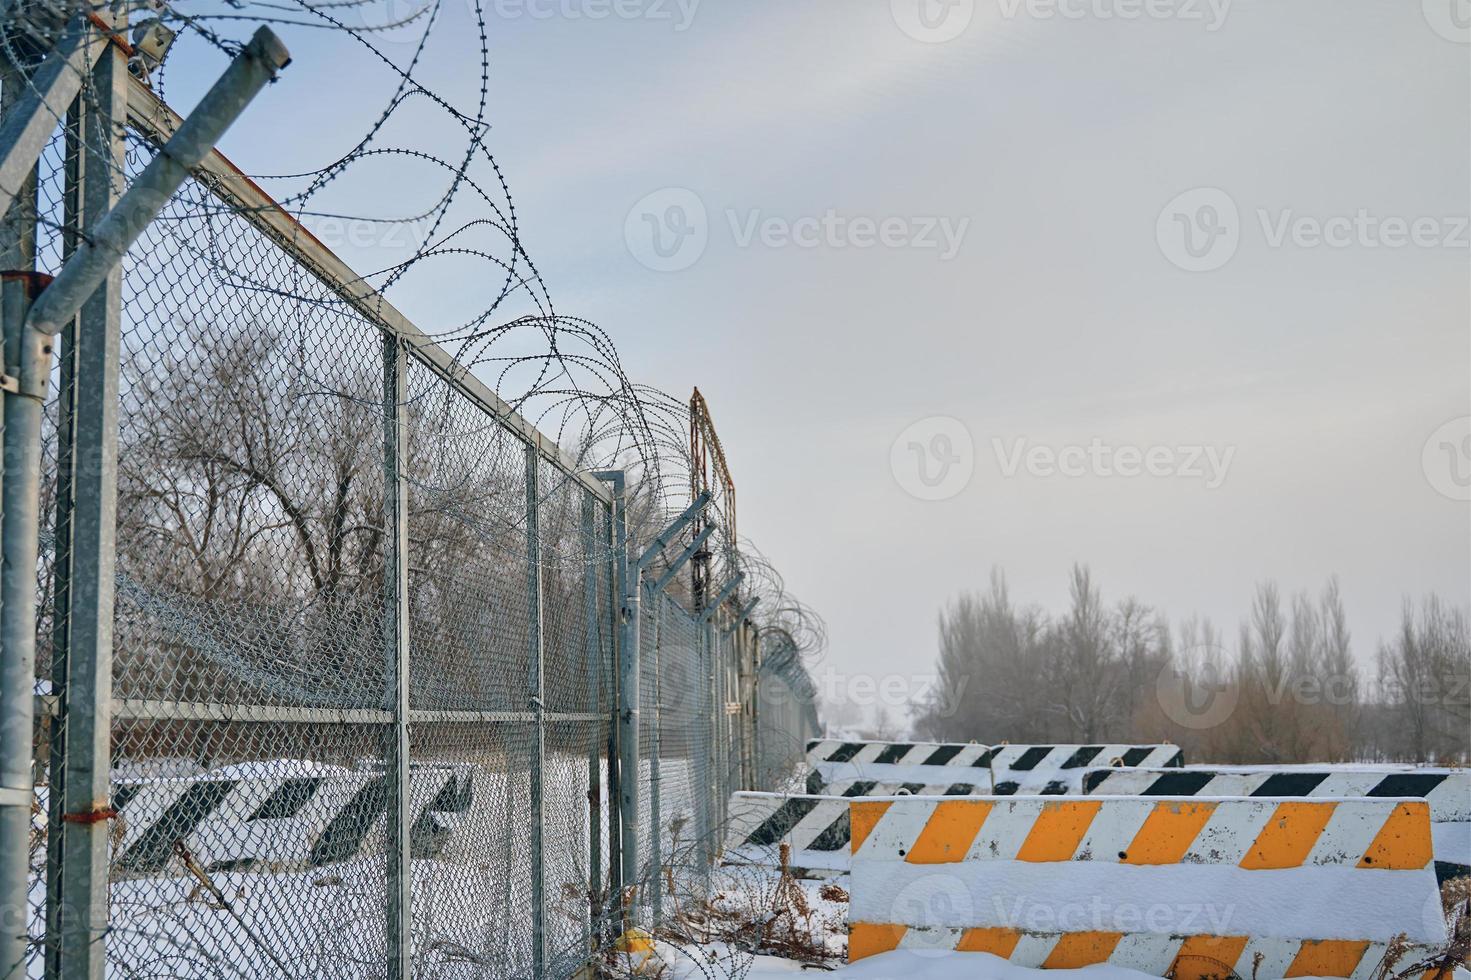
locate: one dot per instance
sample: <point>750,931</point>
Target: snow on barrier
<point>1448,791</point>
<point>998,769</point>
<point>1182,887</point>
<point>304,817</point>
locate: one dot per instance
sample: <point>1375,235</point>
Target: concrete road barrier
<point>1182,887</point>
<point>302,818</point>
<point>1448,791</point>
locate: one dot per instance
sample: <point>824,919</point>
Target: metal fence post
<point>712,793</point>
<point>718,681</point>
<point>705,811</point>
<point>748,704</point>
<point>717,716</point>
<point>86,554</point>
<point>538,708</point>
<point>18,580</point>
<point>399,871</point>
<point>615,793</point>
<point>592,650</point>
<point>18,628</point>
<point>758,768</point>
<point>656,748</point>
<point>628,694</point>
<point>74,186</point>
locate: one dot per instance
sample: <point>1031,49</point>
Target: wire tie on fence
<point>97,814</point>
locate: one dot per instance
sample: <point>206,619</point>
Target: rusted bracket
<point>98,814</point>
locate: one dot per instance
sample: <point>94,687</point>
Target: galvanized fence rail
<point>342,667</point>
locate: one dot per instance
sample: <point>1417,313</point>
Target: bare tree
<point>1290,692</point>
<point>987,687</point>
<point>1423,676</point>
<point>1088,675</point>
<point>1341,671</point>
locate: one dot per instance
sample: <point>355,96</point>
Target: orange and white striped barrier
<point>1448,791</point>
<point>1180,887</point>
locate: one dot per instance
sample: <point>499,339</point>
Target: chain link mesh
<point>253,674</point>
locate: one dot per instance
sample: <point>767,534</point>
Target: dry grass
<point>750,912</point>
<point>1439,964</point>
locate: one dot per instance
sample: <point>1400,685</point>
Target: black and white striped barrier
<point>817,786</point>
<point>1001,770</point>
<point>304,819</point>
<point>1448,791</point>
<point>815,829</point>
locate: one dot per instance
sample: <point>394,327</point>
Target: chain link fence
<point>364,641</point>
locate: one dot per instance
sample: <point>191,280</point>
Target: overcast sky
<point>970,252</point>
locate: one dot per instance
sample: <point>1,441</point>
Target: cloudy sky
<point>1177,288</point>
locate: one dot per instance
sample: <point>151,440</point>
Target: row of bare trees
<point>1290,689</point>
<point>251,533</point>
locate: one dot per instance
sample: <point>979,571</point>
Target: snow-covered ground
<point>898,965</point>
<point>754,894</point>
<point>906,965</point>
